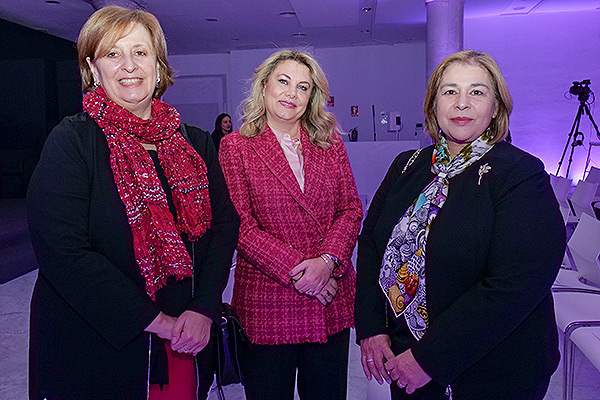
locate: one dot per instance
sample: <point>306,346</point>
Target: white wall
<point>540,56</point>
<point>198,85</point>
<point>390,77</point>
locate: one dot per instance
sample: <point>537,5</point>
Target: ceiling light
<point>287,14</point>
<point>130,4</point>
<point>366,31</point>
<point>235,39</point>
<point>52,2</point>
<point>298,35</point>
<point>522,7</point>
<point>212,20</point>
<point>366,9</point>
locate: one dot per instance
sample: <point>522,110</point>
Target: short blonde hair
<point>502,100</point>
<point>113,23</point>
<point>316,120</point>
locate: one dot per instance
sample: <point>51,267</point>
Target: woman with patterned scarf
<point>458,252</point>
<point>133,229</point>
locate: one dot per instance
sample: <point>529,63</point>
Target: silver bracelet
<point>328,264</point>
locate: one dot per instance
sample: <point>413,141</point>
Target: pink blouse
<point>292,149</point>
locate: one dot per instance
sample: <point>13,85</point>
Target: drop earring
<point>157,81</point>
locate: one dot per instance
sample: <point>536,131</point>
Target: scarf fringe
<point>158,248</point>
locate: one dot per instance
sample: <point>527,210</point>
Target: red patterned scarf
<point>158,248</point>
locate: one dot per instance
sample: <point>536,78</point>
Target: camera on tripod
<point>581,89</point>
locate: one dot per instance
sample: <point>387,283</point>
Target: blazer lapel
<point>314,167</point>
<point>269,150</point>
<point>271,154</point>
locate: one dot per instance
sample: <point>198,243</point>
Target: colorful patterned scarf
<point>402,274</point>
<point>158,248</point>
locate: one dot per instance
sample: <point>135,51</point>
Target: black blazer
<point>492,254</point>
<point>89,307</point>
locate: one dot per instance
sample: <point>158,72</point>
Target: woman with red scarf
<point>133,229</point>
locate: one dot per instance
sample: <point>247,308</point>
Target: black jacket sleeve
<point>224,230</point>
<point>58,205</point>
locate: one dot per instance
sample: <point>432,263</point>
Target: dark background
<point>40,85</point>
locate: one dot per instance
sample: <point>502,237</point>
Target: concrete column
<point>444,30</point>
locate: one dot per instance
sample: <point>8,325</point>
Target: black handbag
<point>232,341</point>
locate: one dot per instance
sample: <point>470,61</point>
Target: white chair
<point>574,309</point>
<point>561,187</point>
<point>588,341</point>
<point>583,254</point>
<point>593,176</point>
<point>577,297</point>
<point>586,337</point>
<point>582,197</point>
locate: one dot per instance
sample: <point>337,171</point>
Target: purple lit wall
<point>540,56</point>
<point>390,77</point>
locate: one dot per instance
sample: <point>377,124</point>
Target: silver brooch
<point>484,169</point>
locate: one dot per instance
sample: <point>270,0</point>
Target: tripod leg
<point>574,129</point>
<point>589,114</point>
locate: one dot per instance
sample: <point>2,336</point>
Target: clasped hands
<point>379,362</point>
<point>190,333</point>
<point>313,278</point>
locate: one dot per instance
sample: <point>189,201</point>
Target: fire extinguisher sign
<point>354,111</point>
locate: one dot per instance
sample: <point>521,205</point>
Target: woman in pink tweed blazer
<point>291,183</point>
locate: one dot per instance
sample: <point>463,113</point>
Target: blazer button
<point>321,240</point>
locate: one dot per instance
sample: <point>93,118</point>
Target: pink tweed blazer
<point>281,226</point>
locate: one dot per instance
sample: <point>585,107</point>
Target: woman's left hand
<point>407,372</point>
<point>314,274</point>
<point>326,295</point>
<point>191,333</point>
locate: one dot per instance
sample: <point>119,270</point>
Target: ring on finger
<point>310,293</point>
<point>369,360</point>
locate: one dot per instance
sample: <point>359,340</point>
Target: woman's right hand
<point>310,276</point>
<point>162,325</point>
<point>374,352</point>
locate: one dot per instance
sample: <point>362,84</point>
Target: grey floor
<point>14,329</point>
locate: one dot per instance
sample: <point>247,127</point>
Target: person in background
<point>290,181</point>
<point>222,128</point>
<point>133,229</point>
<point>458,252</point>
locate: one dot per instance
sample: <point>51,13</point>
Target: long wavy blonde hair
<point>318,123</point>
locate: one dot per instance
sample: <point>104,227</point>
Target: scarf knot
<point>158,247</point>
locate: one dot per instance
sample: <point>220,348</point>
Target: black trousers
<point>270,371</point>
